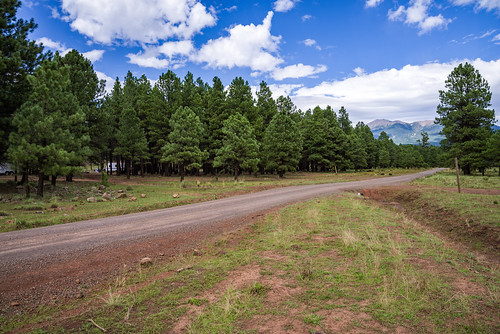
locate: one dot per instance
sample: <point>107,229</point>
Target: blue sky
<point>377,58</point>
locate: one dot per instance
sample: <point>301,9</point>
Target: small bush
<point>104,179</point>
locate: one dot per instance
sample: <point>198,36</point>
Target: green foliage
<point>50,126</point>
<point>131,140</point>
<point>240,148</point>
<point>183,147</point>
<point>18,58</point>
<point>282,145</point>
<point>463,112</point>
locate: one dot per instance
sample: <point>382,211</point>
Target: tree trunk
<point>69,177</point>
<point>54,180</point>
<point>128,167</point>
<point>236,173</point>
<point>25,181</point>
<point>142,167</point>
<point>39,190</point>
<point>181,171</point>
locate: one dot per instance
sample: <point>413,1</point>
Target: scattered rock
<point>130,195</point>
<point>121,195</point>
<point>14,304</point>
<point>197,252</point>
<point>184,268</point>
<point>91,199</point>
<point>38,212</point>
<point>120,191</point>
<point>221,252</point>
<point>70,208</point>
<point>80,295</point>
<point>106,196</point>
<point>162,254</point>
<point>102,187</point>
<point>10,221</point>
<point>175,195</point>
<point>54,206</point>
<point>146,261</point>
<point>132,199</point>
<point>76,199</point>
<point>143,195</point>
<point>93,188</point>
<point>77,281</point>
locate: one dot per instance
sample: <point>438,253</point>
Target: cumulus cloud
<point>133,21</point>
<point>93,55</point>
<point>246,46</point>
<point>284,5</point>
<point>372,3</point>
<point>416,14</point>
<point>312,43</point>
<point>297,71</point>
<point>109,81</point>
<point>488,5</point>
<point>408,94</point>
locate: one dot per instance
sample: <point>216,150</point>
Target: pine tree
<point>217,112</point>
<point>183,147</point>
<point>49,126</point>
<point>282,145</point>
<point>465,117</point>
<point>131,139</point>
<point>18,58</point>
<point>240,148</point>
<point>266,109</point>
<point>240,100</point>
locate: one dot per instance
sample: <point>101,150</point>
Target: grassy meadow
<point>340,264</point>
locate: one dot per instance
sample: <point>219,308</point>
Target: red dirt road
<point>45,264</point>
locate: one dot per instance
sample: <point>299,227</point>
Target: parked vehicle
<point>6,169</point>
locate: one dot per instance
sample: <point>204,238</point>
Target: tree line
<point>58,118</point>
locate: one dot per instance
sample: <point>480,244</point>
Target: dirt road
<point>43,263</point>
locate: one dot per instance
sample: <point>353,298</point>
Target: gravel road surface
<point>51,255</point>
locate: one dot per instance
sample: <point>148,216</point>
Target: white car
<point>6,169</point>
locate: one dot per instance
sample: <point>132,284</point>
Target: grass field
<point>341,264</point>
<point>67,202</point>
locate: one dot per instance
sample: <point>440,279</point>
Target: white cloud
<point>285,89</point>
<point>359,71</point>
<point>252,46</point>
<point>311,42</point>
<point>416,14</point>
<point>408,94</point>
<point>246,46</point>
<point>372,3</point>
<point>297,71</point>
<point>136,21</point>
<point>109,81</point>
<point>284,5</point>
<point>306,17</point>
<point>94,55</point>
<point>171,49</point>
<point>53,45</point>
<point>496,39</point>
<point>487,5</point>
<point>148,59</point>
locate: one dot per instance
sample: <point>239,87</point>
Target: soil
<point>447,223</point>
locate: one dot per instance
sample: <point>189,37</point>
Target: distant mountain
<point>408,133</point>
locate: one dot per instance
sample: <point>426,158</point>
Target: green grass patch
<point>304,268</point>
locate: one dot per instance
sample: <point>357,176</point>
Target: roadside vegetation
<point>338,264</point>
<point>86,198</point>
